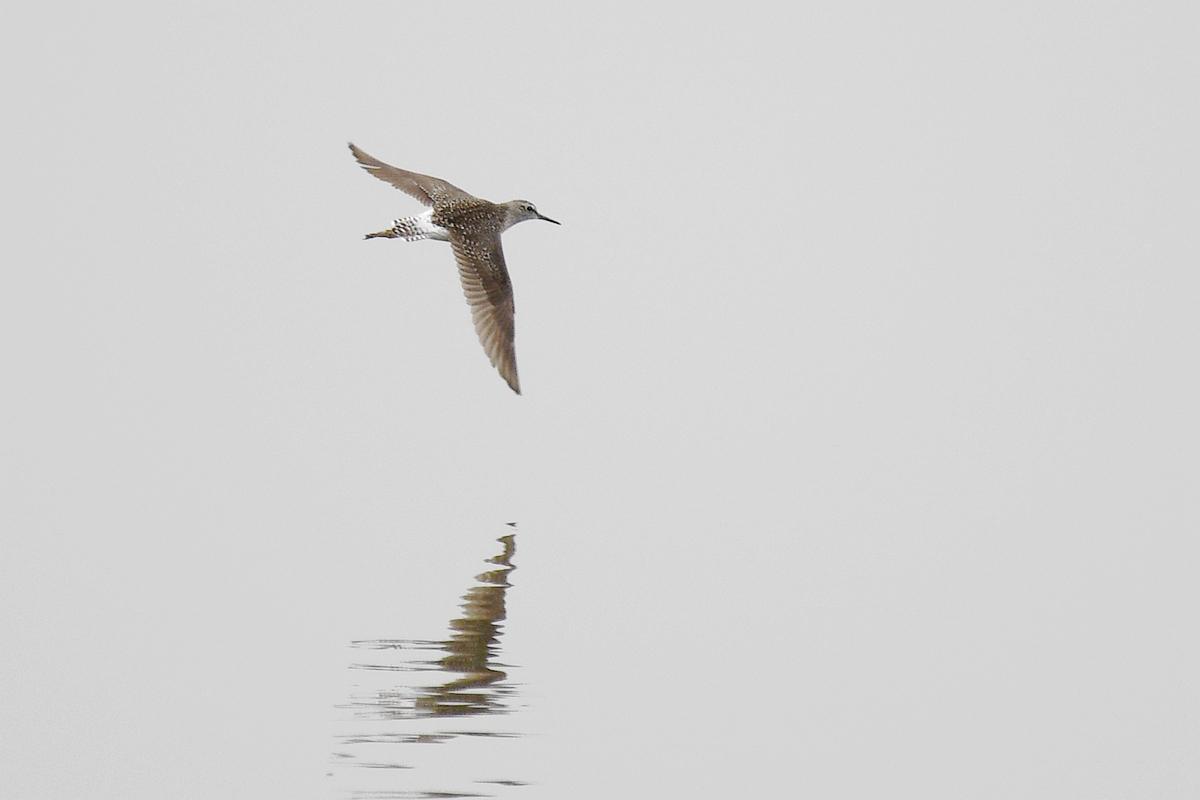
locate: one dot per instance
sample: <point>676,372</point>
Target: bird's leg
<point>390,233</point>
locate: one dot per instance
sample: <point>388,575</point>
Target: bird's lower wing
<point>489,292</point>
<point>428,190</point>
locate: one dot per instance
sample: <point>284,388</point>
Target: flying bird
<point>472,226</point>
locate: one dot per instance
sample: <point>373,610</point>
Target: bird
<point>472,226</point>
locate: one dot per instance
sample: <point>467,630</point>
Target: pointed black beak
<point>556,222</point>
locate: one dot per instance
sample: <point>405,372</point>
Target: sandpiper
<point>472,226</point>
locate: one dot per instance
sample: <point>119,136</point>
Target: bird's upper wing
<point>428,190</point>
<point>489,292</point>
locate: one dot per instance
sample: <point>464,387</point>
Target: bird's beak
<point>556,222</point>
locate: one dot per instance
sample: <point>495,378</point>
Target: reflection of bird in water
<point>468,655</point>
<point>393,691</point>
<point>472,645</point>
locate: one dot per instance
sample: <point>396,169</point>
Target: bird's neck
<point>510,217</point>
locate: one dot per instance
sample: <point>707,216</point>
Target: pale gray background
<point>858,450</point>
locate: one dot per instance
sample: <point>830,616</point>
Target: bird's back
<point>470,215</point>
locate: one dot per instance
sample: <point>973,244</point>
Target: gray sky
<point>857,449</point>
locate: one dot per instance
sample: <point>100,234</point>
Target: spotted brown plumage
<point>473,227</point>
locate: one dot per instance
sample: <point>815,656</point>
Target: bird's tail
<point>410,229</point>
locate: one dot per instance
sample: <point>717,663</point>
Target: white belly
<point>431,231</point>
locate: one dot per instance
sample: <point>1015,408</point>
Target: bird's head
<point>521,210</point>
